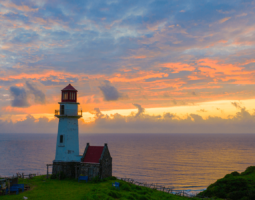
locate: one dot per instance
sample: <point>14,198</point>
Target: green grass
<point>234,186</point>
<point>70,189</point>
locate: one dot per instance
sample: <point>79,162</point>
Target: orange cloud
<point>177,67</point>
<point>224,19</point>
<point>216,67</point>
<point>139,76</point>
<point>22,8</point>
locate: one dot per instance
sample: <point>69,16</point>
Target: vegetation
<point>42,188</point>
<point>233,186</point>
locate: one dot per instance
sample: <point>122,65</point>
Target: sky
<point>139,66</point>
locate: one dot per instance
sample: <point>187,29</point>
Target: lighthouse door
<point>62,110</point>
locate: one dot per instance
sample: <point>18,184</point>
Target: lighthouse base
<point>66,168</point>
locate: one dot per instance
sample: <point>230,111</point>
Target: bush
<point>59,176</point>
<point>237,195</point>
<point>136,196</point>
<point>62,176</point>
<point>110,178</point>
<point>96,180</point>
<point>114,194</point>
<point>53,176</point>
<point>249,170</point>
<point>131,197</point>
<point>143,197</point>
<point>233,186</point>
<point>235,173</point>
<point>125,187</point>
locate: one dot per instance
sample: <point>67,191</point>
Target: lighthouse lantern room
<point>67,147</point>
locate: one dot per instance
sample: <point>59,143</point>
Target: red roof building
<point>96,161</point>
<point>93,154</point>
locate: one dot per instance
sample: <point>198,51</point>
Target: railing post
<point>47,171</point>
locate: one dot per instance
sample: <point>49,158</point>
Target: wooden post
<point>47,171</point>
<point>9,186</point>
<point>76,173</point>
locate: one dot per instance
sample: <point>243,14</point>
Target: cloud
<point>23,8</point>
<point>202,110</point>
<point>140,109</point>
<point>224,19</point>
<point>170,123</point>
<point>30,125</point>
<point>109,92</point>
<point>116,123</point>
<point>20,97</point>
<point>237,105</point>
<point>38,94</point>
<point>97,113</point>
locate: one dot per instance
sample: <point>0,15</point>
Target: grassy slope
<point>42,188</point>
<point>234,186</point>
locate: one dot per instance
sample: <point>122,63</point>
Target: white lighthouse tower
<point>67,147</point>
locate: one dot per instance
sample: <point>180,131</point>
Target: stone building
<point>95,161</point>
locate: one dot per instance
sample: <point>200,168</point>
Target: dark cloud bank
<point>21,95</point>
<point>110,93</point>
<point>242,122</point>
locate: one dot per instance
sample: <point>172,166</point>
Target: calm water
<point>185,161</point>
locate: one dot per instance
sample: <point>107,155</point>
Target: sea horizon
<point>182,161</point>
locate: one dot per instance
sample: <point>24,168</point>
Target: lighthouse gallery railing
<point>68,112</point>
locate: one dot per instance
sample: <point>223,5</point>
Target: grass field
<point>70,189</point>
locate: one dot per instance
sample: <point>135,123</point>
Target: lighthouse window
<point>65,95</point>
<point>61,138</point>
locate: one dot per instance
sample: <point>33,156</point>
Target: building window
<point>61,139</point>
<point>72,96</point>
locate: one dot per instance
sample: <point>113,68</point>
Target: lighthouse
<point>96,161</point>
<point>67,146</point>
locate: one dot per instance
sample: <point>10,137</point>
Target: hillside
<point>234,186</point>
<point>52,189</point>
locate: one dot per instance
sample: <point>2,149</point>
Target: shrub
<point>143,197</point>
<point>130,197</point>
<point>249,170</point>
<point>235,173</point>
<point>62,175</point>
<point>96,180</point>
<point>136,196</point>
<point>114,194</point>
<point>125,187</point>
<point>53,176</point>
<point>110,178</point>
<point>59,176</point>
<point>237,195</point>
<point>233,186</point>
<point>143,192</point>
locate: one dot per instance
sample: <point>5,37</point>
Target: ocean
<point>182,161</point>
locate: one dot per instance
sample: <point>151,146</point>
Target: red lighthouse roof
<point>69,87</point>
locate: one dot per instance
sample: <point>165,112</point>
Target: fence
<point>163,189</point>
